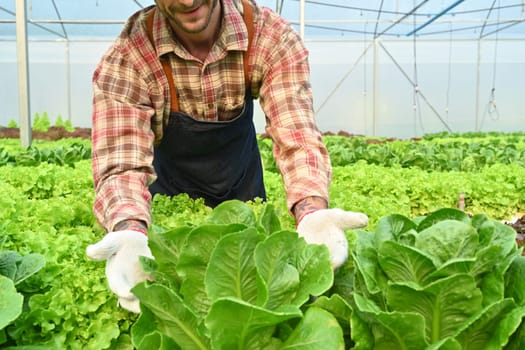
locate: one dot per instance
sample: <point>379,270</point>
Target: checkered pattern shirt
<point>131,104</point>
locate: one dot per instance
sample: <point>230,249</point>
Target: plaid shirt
<point>132,104</point>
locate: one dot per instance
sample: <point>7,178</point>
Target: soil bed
<point>54,133</point>
<point>519,226</point>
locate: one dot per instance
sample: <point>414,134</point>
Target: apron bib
<point>216,161</point>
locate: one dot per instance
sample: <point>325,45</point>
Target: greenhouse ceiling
<point>350,19</point>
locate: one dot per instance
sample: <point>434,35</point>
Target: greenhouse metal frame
<point>413,22</point>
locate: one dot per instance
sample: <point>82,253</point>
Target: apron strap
<point>165,65</point>
<point>248,21</point>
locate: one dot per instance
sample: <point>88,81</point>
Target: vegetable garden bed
<point>46,196</point>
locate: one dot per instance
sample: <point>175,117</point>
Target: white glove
<point>122,249</point>
<point>327,226</point>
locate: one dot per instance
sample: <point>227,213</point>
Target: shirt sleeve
<point>122,142</point>
<point>285,96</point>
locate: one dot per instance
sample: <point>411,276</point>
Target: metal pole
<point>68,74</point>
<point>376,79</point>
<point>478,79</point>
<point>279,6</point>
<point>435,17</point>
<point>23,74</point>
<point>301,18</point>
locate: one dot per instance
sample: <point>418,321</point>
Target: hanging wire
<point>365,76</point>
<point>491,109</point>
<point>407,77</point>
<point>415,98</point>
<point>334,90</point>
<point>494,75</point>
<point>449,70</point>
<point>449,77</point>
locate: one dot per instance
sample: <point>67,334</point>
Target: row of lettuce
<point>250,288</point>
<point>456,154</point>
<point>239,281</point>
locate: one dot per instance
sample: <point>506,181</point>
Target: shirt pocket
<point>230,108</point>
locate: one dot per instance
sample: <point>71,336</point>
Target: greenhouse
<point>384,68</point>
<point>389,215</point>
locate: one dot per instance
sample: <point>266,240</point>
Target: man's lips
<point>191,12</point>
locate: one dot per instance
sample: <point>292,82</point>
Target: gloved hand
<point>122,249</point>
<point>327,226</point>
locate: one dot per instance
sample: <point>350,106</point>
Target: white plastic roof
<point>70,19</point>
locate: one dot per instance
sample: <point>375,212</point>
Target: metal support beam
<point>402,18</point>
<point>279,6</point>
<point>23,74</point>
<point>302,5</point>
<point>414,85</point>
<point>435,17</point>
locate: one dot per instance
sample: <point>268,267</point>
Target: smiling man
<point>173,113</point>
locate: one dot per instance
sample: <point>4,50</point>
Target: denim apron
<point>216,161</point>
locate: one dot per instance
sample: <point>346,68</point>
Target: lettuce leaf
<point>10,302</point>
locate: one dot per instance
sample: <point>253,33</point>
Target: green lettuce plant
<point>66,124</point>
<point>235,282</point>
<point>41,122</point>
<point>446,281</point>
<point>12,124</point>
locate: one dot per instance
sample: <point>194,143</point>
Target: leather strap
<point>165,65</point>
<point>248,21</point>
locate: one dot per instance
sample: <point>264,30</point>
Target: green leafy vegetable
<point>232,283</point>
<point>449,282</point>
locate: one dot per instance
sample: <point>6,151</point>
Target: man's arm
<point>307,206</point>
<point>122,141</point>
<point>134,225</point>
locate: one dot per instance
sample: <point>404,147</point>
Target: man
<point>173,108</point>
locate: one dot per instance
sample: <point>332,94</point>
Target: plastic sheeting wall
<point>355,89</point>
